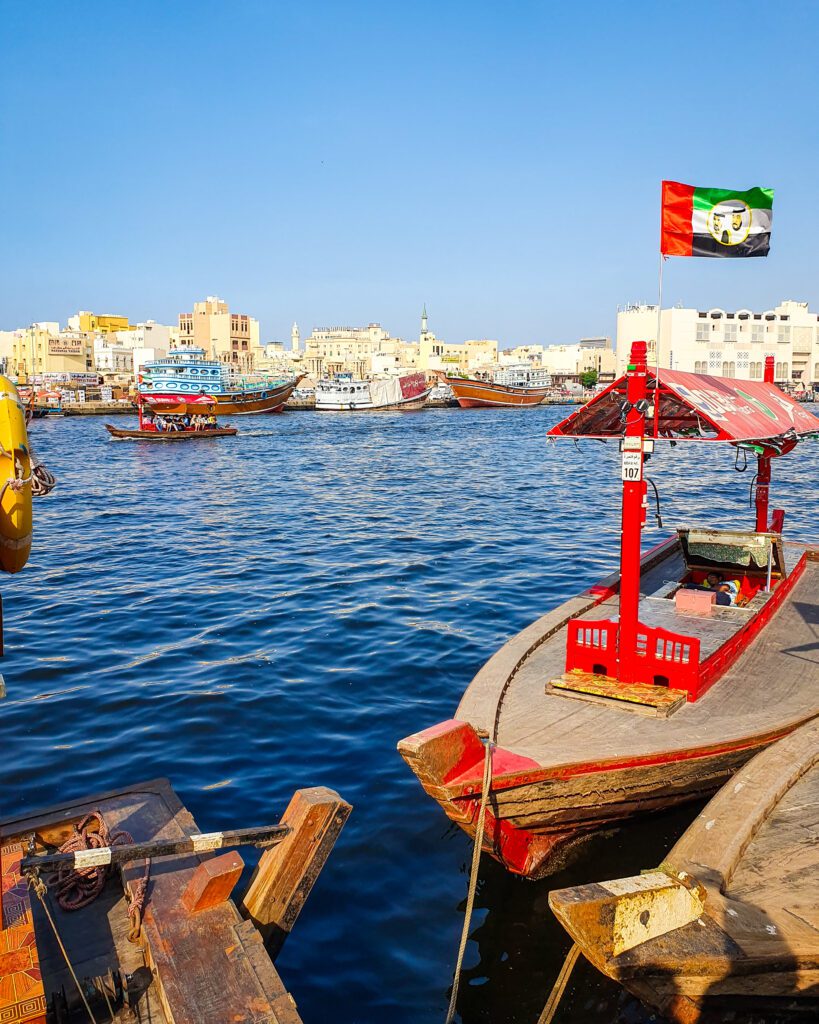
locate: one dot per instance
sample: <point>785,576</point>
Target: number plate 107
<point>632,466</point>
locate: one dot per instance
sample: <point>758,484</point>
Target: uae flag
<point>715,221</point>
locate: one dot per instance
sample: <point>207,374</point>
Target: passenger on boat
<point>727,590</point>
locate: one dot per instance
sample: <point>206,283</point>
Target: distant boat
<point>346,394</point>
<point>186,382</point>
<point>187,434</point>
<point>474,393</point>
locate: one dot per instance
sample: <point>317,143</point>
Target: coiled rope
<point>74,887</point>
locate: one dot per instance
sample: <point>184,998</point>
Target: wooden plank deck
<point>212,965</point>
<point>764,691</point>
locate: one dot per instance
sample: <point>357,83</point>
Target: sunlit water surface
<point>277,610</point>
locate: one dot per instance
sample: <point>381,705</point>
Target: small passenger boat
<point>153,434</point>
<point>117,907</point>
<point>156,427</point>
<point>473,393</point>
<point>645,690</point>
<point>344,393</point>
<point>730,919</point>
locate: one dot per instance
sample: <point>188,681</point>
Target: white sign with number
<point>632,466</point>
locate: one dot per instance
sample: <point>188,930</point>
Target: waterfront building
<point>468,357</point>
<point>727,343</point>
<point>86,322</point>
<point>111,356</point>
<point>568,362</point>
<point>531,354</point>
<point>232,338</point>
<point>332,350</point>
<point>42,349</point>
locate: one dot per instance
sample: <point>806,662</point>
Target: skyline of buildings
<point>715,341</point>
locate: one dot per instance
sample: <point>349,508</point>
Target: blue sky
<point>342,162</point>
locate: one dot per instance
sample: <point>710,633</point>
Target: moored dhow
<point>185,382</point>
<point>472,392</point>
<point>653,686</point>
<point>344,393</point>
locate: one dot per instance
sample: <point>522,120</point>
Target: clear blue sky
<point>343,162</point>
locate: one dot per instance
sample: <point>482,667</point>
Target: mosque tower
<point>295,338</point>
<point>424,320</point>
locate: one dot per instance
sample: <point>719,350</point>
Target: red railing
<point>665,658</point>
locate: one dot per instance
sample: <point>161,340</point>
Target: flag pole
<point>657,345</point>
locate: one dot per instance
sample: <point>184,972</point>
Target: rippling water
<point>274,611</point>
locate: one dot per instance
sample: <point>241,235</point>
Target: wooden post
<point>286,874</point>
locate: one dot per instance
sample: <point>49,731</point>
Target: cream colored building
<point>467,357</point>
<point>229,337</point>
<point>725,343</point>
<point>43,349</point>
<point>588,354</point>
<point>330,350</point>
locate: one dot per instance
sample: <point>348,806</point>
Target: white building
<point>584,356</point>
<point>727,344</point>
<point>110,356</point>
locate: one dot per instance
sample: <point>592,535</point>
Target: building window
<point>781,371</point>
<point>703,332</point>
<point>730,332</point>
<point>783,335</point>
<point>701,366</point>
<point>729,369</point>
<point>757,332</point>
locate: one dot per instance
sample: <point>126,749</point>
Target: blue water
<point>253,615</point>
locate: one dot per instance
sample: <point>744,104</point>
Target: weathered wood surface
<point>285,874</point>
<point>762,692</point>
<point>753,855</point>
<point>211,966</point>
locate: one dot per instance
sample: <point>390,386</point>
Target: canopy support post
<point>763,473</point>
<point>634,512</point>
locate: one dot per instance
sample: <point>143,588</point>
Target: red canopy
<point>697,407</point>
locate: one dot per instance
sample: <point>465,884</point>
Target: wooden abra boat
<point>472,393</point>
<point>138,923</point>
<point>733,913</point>
<point>168,435</point>
<point>641,692</point>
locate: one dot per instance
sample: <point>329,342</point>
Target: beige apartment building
<point>725,343</point>
<point>229,337</point>
<point>43,349</point>
<point>357,350</point>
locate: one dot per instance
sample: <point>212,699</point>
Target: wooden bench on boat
<point>732,914</point>
<point>201,958</point>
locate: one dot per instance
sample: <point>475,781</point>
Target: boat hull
<point>236,403</point>
<point>477,394</point>
<point>414,404</point>
<point>168,435</point>
<point>566,768</point>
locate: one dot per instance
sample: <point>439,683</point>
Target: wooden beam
<point>286,873</point>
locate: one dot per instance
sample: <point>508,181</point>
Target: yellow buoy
<point>15,481</point>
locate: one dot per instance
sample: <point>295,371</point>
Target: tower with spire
<point>295,338</point>
<point>424,320</point>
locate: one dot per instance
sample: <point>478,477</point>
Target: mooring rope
<point>39,888</point>
<point>559,987</point>
<point>473,876</point>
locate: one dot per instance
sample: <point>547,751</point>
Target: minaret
<point>424,320</point>
<point>295,338</point>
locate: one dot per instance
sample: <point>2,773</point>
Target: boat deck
<point>764,692</point>
<point>205,966</point>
